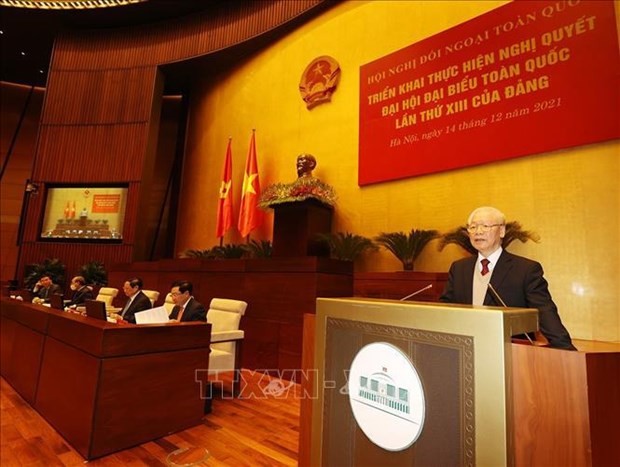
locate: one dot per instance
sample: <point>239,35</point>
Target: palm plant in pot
<point>514,231</point>
<point>347,246</point>
<point>406,247</point>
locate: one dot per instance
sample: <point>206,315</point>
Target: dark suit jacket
<point>520,283</point>
<point>80,296</point>
<point>140,303</point>
<point>194,311</point>
<point>45,294</point>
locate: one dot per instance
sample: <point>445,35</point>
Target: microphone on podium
<point>498,297</point>
<point>416,292</point>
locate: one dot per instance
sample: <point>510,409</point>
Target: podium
<point>459,414</point>
<point>296,225</point>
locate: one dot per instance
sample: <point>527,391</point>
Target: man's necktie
<point>180,315</point>
<point>126,307</point>
<point>485,266</point>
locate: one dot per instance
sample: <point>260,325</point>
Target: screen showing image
<point>87,213</point>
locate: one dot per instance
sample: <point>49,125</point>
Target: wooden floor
<point>261,427</point>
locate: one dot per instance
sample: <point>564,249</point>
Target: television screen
<point>84,213</point>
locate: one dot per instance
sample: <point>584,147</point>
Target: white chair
<point>152,295</point>
<point>168,303</point>
<point>226,338</point>
<point>106,295</point>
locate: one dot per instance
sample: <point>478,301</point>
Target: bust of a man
<point>305,165</point>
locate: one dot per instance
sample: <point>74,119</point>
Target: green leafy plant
<point>51,267</point>
<point>347,246</point>
<point>514,231</point>
<point>406,247</point>
<point>95,273</point>
<point>259,249</point>
<point>198,254</point>
<point>229,251</point>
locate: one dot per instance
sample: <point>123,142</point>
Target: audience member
<point>186,307</point>
<point>81,292</point>
<point>44,289</point>
<point>517,281</point>
<point>136,300</point>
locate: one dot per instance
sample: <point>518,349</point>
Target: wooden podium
<point>296,225</point>
<point>462,356</point>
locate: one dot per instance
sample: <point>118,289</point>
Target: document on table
<point>153,316</point>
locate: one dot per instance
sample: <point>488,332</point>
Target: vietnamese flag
<point>67,210</point>
<point>250,216</point>
<point>224,202</point>
<point>72,211</point>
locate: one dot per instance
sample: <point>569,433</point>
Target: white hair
<point>499,215</point>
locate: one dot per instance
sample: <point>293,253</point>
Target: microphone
<point>416,292</point>
<point>497,296</point>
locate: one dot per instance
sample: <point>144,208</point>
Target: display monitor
<point>96,309</point>
<point>84,213</point>
<point>57,301</point>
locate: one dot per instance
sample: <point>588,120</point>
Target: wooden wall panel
<point>91,153</point>
<point>176,40</point>
<point>103,97</point>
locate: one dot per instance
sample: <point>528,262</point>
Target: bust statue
<point>305,165</point>
<point>305,187</point>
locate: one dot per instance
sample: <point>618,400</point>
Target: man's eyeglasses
<point>176,294</point>
<point>483,227</point>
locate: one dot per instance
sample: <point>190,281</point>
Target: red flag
<point>72,211</point>
<point>224,202</point>
<point>250,216</point>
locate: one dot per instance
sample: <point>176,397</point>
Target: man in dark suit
<point>518,281</point>
<point>81,292</point>
<point>186,307</point>
<point>136,300</point>
<point>44,289</point>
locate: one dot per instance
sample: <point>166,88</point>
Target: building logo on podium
<point>386,396</point>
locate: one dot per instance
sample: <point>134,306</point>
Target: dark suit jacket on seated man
<point>137,300</point>
<point>44,289</point>
<point>518,281</point>
<point>185,304</point>
<point>81,293</point>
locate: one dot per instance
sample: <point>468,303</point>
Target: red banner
<point>106,204</point>
<point>525,78</point>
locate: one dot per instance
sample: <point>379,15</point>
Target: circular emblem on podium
<point>386,396</point>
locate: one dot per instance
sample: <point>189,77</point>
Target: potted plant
<point>460,237</point>
<point>51,267</point>
<point>347,246</point>
<point>198,254</point>
<point>94,273</point>
<point>229,251</point>
<point>259,249</point>
<point>406,247</point>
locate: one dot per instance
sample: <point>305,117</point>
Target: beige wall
<point>570,197</point>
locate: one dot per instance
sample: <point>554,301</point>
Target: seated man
<point>44,289</point>
<point>81,292</point>
<point>136,300</point>
<point>186,307</point>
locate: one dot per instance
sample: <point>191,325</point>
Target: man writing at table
<point>517,281</point>
<point>186,307</point>
<point>136,300</point>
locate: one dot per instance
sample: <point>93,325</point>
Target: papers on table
<point>153,316</point>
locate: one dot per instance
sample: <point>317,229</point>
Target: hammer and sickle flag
<point>224,202</point>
